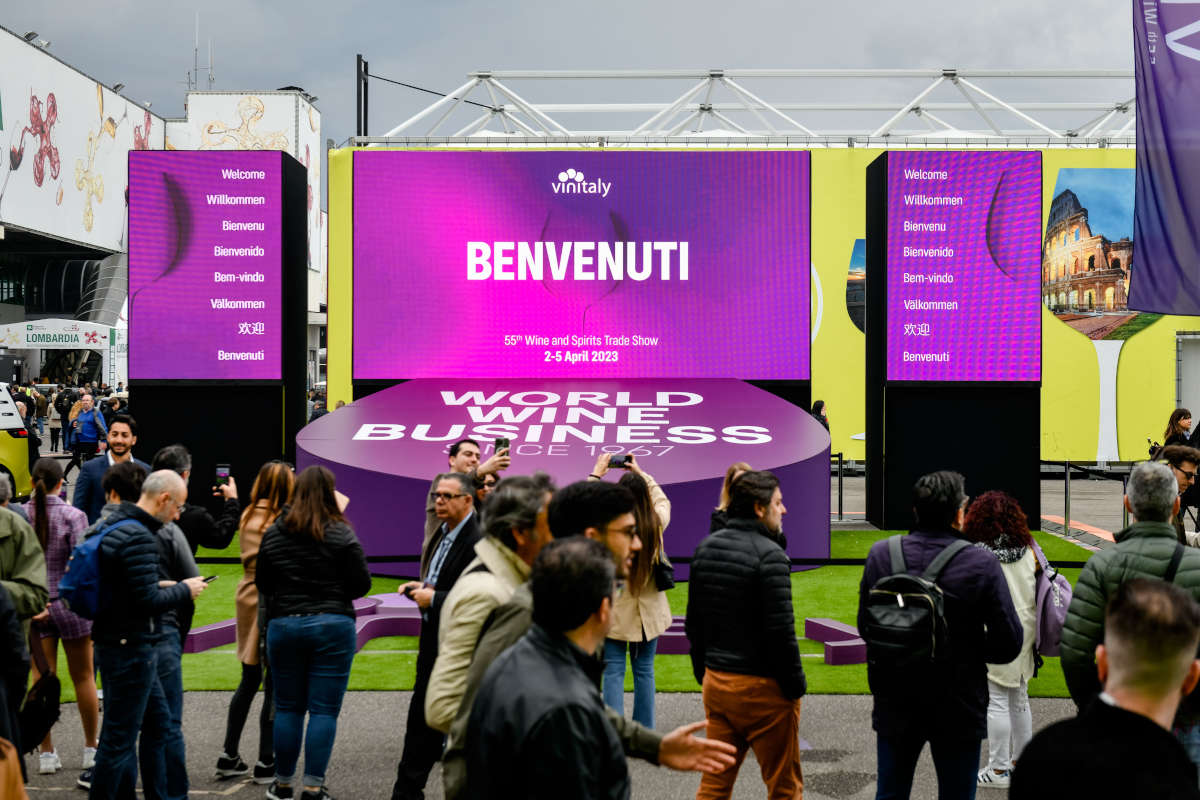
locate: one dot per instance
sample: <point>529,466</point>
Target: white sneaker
<point>989,778</point>
<point>89,757</point>
<point>49,763</point>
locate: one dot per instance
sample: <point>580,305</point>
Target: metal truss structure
<point>787,108</point>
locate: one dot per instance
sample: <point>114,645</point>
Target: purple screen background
<point>174,332</point>
<point>995,334</point>
<point>743,313</point>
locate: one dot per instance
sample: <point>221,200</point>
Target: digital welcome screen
<point>964,266</point>
<point>564,264</point>
<point>205,265</point>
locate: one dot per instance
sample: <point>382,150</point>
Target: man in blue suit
<point>89,495</point>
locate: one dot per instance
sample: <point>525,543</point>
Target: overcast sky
<point>146,44</point>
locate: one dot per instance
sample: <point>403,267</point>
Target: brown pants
<point>750,712</point>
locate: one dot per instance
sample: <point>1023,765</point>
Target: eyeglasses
<point>446,496</point>
<point>1191,476</point>
<point>630,531</point>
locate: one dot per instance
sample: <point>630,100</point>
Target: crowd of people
<point>532,598</point>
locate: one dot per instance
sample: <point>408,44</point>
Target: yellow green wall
<point>339,326</point>
<point>839,199</point>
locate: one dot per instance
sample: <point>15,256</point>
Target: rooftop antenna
<point>193,78</point>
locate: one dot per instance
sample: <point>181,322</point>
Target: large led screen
<point>205,265</point>
<point>568,264</point>
<point>964,266</point>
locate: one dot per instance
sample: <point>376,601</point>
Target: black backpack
<point>906,615</point>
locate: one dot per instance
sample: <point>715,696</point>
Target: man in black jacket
<point>199,526</point>
<point>128,627</point>
<point>449,552</point>
<point>1121,745</point>
<point>538,727</point>
<point>946,704</point>
<point>742,630</point>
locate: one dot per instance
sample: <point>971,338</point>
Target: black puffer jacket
<point>133,600</point>
<point>298,575</point>
<point>538,727</point>
<point>202,530</point>
<point>739,614</point>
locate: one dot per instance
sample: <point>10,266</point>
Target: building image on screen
<point>963,266</point>
<point>205,265</point>
<point>1087,253</point>
<point>566,264</point>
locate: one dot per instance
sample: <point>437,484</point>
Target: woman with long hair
<point>640,610</point>
<point>1179,427</point>
<point>311,568</point>
<point>271,491</point>
<point>996,522</point>
<point>59,527</point>
<point>820,414</point>
<point>718,519</point>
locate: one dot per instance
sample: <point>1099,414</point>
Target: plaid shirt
<point>67,526</point>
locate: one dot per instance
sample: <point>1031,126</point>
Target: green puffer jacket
<point>1143,550</point>
<point>22,567</point>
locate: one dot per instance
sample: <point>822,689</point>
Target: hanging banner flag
<point>1166,224</point>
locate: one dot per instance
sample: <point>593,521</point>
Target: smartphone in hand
<point>222,478</point>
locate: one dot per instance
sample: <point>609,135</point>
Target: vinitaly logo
<point>572,181</point>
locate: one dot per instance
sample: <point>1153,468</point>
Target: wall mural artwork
<point>39,129</point>
<point>63,148</point>
<point>218,134</point>
<point>88,178</point>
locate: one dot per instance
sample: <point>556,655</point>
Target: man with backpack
<point>64,401</point>
<point>934,612</point>
<point>1146,549</point>
<point>127,603</point>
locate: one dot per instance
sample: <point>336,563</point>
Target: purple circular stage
<point>385,449</point>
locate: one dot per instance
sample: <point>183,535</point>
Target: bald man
<point>127,631</point>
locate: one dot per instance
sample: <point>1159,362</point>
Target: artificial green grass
<point>1134,326</point>
<point>389,663</point>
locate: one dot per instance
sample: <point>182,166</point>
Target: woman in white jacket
<point>640,611</point>
<point>996,522</point>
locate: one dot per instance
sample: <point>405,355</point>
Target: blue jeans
<point>132,694</point>
<point>641,657</point>
<point>956,762</point>
<point>311,657</point>
<point>161,751</point>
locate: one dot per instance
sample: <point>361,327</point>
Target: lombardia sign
<point>56,334</point>
<point>386,448</point>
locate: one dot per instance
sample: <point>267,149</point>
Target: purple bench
<point>380,615</point>
<point>674,641</point>
<point>851,651</point>
<point>842,643</point>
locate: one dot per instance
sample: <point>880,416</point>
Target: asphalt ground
<point>841,763</point>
